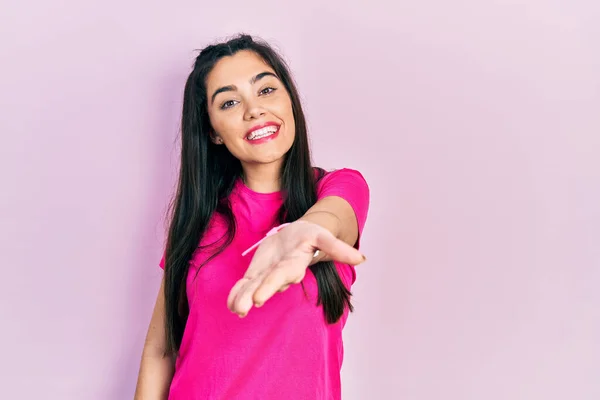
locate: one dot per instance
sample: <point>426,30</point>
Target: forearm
<point>154,380</point>
<point>156,369</point>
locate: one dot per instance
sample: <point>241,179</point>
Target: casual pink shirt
<point>283,350</point>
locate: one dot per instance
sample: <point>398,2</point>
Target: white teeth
<point>263,132</point>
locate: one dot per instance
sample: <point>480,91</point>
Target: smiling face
<point>250,109</point>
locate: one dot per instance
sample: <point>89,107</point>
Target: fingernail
<point>258,305</point>
<point>364,258</point>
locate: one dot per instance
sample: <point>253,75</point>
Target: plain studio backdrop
<point>476,123</point>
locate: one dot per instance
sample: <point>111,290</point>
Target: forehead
<point>236,70</point>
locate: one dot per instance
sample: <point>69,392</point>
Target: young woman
<point>261,248</point>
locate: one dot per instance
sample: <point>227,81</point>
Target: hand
<point>282,259</point>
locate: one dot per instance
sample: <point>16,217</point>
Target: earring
<point>219,141</point>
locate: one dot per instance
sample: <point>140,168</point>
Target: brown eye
<point>227,104</point>
<point>269,89</point>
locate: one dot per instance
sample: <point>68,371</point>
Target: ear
<point>216,139</point>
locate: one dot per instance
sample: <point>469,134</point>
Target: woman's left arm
<point>332,225</point>
<point>337,216</point>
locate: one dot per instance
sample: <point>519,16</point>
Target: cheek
<point>224,126</point>
<point>215,123</point>
<point>288,114</point>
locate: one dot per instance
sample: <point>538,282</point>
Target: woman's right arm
<point>156,370</point>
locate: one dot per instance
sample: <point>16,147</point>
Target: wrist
<point>325,219</point>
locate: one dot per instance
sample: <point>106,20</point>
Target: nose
<point>254,111</point>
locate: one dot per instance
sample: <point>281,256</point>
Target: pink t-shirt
<point>283,350</point>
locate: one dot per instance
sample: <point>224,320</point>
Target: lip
<point>264,139</point>
<point>270,123</point>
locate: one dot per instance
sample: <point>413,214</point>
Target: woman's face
<point>249,108</point>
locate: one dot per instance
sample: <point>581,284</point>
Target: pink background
<point>476,123</point>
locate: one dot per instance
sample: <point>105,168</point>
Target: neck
<point>263,178</point>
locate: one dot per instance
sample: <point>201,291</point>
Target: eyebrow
<point>230,88</point>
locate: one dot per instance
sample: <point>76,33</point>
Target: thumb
<point>337,249</point>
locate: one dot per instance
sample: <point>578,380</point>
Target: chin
<point>271,158</point>
<point>273,154</point>
<point>268,153</point>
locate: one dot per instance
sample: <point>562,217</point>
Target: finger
<point>243,301</point>
<point>283,289</point>
<point>282,275</point>
<point>261,259</point>
<point>240,287</point>
<point>240,297</point>
<point>337,249</point>
<point>234,292</point>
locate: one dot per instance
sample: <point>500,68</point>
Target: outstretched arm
<point>332,225</point>
<point>281,259</point>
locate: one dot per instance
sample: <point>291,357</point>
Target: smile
<point>263,132</point>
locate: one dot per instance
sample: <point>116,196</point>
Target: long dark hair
<point>207,176</point>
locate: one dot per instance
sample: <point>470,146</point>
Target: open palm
<point>282,259</point>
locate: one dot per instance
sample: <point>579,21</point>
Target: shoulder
<point>347,177</point>
<point>348,184</point>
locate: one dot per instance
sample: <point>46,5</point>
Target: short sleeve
<point>350,185</point>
